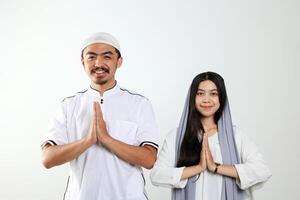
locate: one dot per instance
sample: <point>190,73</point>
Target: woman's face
<point>207,99</point>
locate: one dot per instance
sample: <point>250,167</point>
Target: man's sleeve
<point>148,132</point>
<point>57,131</point>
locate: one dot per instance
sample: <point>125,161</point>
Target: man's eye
<point>91,57</point>
<point>107,57</point>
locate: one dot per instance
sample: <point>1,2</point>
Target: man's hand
<point>101,130</point>
<point>141,156</point>
<point>60,154</point>
<point>91,137</point>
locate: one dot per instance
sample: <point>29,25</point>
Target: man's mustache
<point>101,68</point>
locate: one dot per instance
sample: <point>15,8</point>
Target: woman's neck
<point>209,125</point>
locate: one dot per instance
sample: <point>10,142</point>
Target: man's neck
<point>101,88</point>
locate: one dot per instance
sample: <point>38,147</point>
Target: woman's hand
<point>195,169</point>
<point>202,163</point>
<point>211,165</point>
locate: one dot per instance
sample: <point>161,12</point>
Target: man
<point>106,132</point>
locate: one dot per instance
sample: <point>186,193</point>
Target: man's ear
<point>82,59</point>
<point>82,62</point>
<point>120,61</point>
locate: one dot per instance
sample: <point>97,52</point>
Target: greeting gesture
<point>92,134</point>
<point>97,132</point>
<point>211,165</point>
<point>202,162</point>
<point>101,130</point>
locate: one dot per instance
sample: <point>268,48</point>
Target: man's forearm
<point>60,154</point>
<point>142,156</point>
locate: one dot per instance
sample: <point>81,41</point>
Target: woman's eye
<point>200,93</point>
<point>214,94</point>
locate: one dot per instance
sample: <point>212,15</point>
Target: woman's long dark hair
<point>191,146</point>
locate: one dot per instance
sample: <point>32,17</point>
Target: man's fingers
<point>93,113</point>
<point>98,111</point>
<point>95,117</point>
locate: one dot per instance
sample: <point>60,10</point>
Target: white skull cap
<point>101,37</point>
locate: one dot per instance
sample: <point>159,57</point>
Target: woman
<point>206,157</point>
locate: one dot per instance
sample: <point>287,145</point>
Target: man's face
<point>100,62</point>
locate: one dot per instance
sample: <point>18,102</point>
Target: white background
<point>253,44</point>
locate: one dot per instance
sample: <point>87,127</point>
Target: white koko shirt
<point>98,174</point>
<point>252,170</point>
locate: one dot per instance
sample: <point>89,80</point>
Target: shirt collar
<point>107,92</point>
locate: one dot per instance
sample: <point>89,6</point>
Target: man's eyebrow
<point>106,52</point>
<point>91,53</point>
<point>95,54</point>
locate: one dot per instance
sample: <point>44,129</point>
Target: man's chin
<point>99,81</point>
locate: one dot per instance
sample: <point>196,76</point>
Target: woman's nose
<point>206,98</point>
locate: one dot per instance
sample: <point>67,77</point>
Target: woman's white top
<point>251,171</point>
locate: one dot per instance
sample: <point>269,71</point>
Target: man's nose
<point>98,61</point>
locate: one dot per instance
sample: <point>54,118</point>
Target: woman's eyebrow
<point>199,89</point>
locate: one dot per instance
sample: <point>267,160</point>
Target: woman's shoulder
<point>238,132</point>
<point>241,138</point>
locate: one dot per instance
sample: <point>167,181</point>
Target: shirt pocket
<point>125,131</point>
